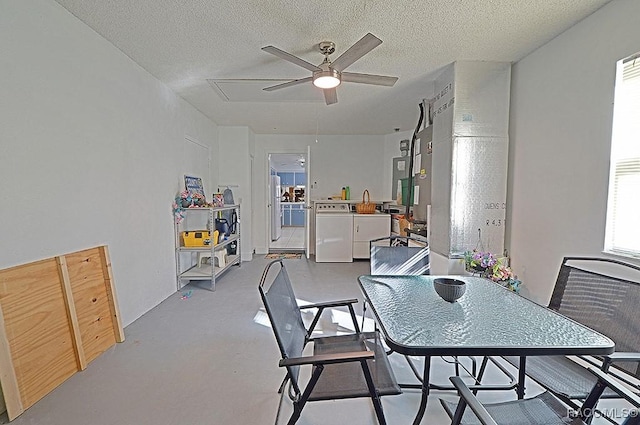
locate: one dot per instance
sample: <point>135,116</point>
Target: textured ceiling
<point>196,46</point>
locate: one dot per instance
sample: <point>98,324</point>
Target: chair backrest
<point>633,418</point>
<point>399,255</point>
<point>286,320</point>
<point>603,294</point>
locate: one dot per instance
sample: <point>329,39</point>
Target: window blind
<point>623,209</point>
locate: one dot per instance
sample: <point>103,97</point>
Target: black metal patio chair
<point>399,255</point>
<point>544,409</point>
<point>603,294</point>
<point>345,366</point>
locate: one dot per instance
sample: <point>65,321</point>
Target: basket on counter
<point>366,207</point>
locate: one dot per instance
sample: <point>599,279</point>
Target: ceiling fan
<point>328,75</point>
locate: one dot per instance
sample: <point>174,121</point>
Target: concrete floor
<point>210,359</point>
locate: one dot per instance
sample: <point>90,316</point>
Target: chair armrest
<point>624,357</point>
<point>467,397</point>
<point>327,304</point>
<point>321,306</point>
<point>616,386</point>
<point>349,356</point>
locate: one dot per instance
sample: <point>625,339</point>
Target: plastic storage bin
<point>195,238</point>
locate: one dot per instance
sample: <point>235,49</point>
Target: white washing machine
<point>334,232</point>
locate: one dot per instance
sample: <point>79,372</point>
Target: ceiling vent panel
<point>251,90</point>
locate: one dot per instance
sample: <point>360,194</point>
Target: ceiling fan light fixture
<point>326,79</point>
<point>328,75</point>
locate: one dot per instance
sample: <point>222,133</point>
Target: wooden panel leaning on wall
<point>56,316</point>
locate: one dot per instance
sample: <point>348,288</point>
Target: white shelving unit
<point>200,263</point>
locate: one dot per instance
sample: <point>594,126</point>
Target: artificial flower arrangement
<point>491,267</point>
<point>477,261</point>
<point>187,199</point>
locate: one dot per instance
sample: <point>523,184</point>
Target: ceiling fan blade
<point>289,57</point>
<point>378,80</point>
<point>355,52</point>
<point>330,96</point>
<point>288,84</point>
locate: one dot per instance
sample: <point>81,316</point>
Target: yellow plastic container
<point>196,238</point>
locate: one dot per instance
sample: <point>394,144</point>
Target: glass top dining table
<point>488,320</point>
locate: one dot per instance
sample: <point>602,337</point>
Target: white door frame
<point>267,188</point>
<point>307,205</point>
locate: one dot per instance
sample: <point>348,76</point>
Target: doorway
<point>287,195</point>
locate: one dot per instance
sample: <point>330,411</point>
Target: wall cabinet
<point>287,179</point>
<point>209,259</point>
<point>367,227</point>
<point>300,179</point>
<point>292,179</point>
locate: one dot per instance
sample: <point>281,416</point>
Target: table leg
<point>425,391</point>
<point>521,377</point>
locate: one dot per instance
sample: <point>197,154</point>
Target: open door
<point>269,203</point>
<point>307,206</point>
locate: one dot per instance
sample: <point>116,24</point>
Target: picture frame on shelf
<point>194,186</point>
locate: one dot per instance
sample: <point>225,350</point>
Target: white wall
<point>336,161</point>
<point>91,148</point>
<point>234,168</point>
<point>560,132</point>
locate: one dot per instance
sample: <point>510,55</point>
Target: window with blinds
<point>623,208</point>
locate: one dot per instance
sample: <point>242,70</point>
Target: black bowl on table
<point>449,289</point>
